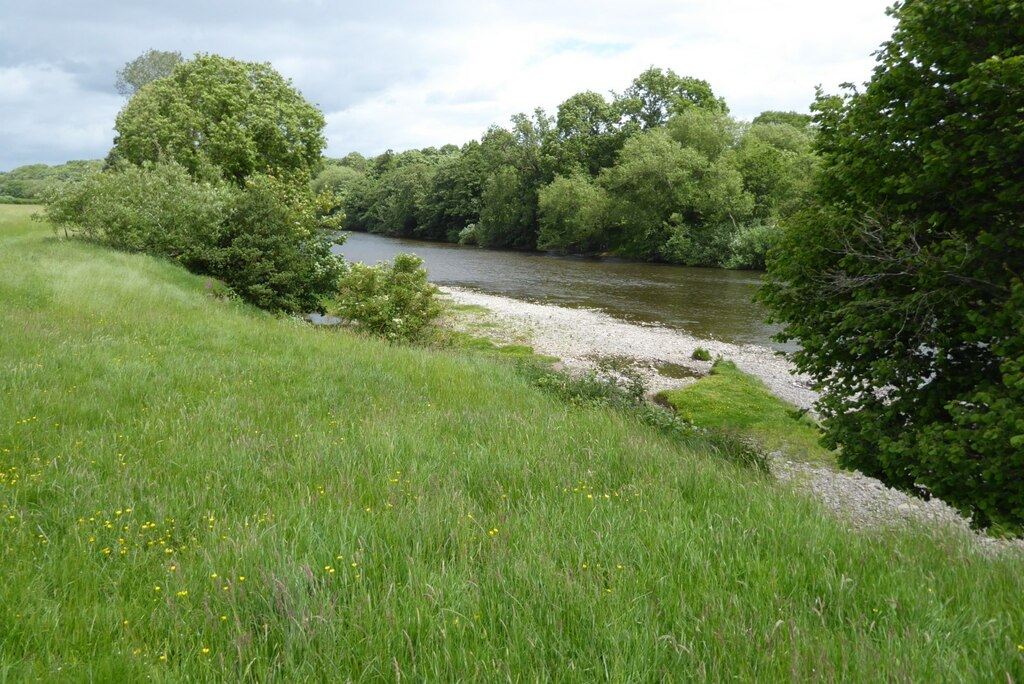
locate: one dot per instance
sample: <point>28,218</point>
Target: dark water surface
<point>706,302</point>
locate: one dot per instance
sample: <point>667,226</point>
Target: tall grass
<point>191,489</point>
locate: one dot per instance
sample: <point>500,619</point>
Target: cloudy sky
<point>405,73</point>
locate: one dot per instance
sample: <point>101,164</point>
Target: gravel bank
<point>581,338</point>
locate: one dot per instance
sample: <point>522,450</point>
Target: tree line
<point>660,172</point>
<point>32,183</point>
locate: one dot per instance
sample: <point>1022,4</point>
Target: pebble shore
<point>582,338</point>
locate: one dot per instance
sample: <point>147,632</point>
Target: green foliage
<point>271,249</point>
<point>10,199</point>
<point>517,170</point>
<point>467,236</point>
<point>711,132</point>
<point>145,68</point>
<point>672,202</point>
<point>222,119</point>
<point>902,282</point>
<point>794,119</point>
<point>156,208</point>
<point>750,246</point>
<point>262,240</point>
<point>661,172</point>
<point>700,354</point>
<point>572,211</point>
<point>777,165</point>
<point>656,94</point>
<point>586,135</point>
<point>32,183</point>
<point>393,300</point>
<point>335,179</point>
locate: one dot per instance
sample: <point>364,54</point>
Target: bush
<point>262,240</point>
<point>700,354</point>
<point>467,236</point>
<point>698,244</point>
<point>156,209</point>
<point>750,245</point>
<point>394,301</point>
<point>269,249</point>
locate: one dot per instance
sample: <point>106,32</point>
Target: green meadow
<point>194,490</point>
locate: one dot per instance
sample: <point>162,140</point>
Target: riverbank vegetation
<point>191,488</point>
<point>734,403</point>
<point>660,172</point>
<point>211,168</point>
<point>902,277</point>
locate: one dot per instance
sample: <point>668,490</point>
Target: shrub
<point>467,236</point>
<point>700,354</point>
<point>698,244</point>
<point>749,246</point>
<point>393,300</point>
<point>269,249</point>
<point>261,240</point>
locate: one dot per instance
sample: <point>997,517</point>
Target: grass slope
<point>193,490</point>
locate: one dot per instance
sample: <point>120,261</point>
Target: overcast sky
<point>403,73</point>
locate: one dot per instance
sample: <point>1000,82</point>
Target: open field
<point>193,490</point>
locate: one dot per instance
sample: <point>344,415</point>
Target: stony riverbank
<point>583,338</point>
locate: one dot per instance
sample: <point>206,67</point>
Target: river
<point>705,302</point>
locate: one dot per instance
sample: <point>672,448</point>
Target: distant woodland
<point>660,172</point>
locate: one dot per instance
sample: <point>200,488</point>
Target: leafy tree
<point>794,119</point>
<point>516,170</point>
<point>33,183</point>
<point>709,131</point>
<point>270,249</point>
<point>358,202</point>
<point>335,181</point>
<point>660,190</point>
<point>656,94</point>
<point>452,201</point>
<point>777,163</point>
<point>586,135</point>
<point>903,281</point>
<point>399,197</point>
<point>572,215</point>
<point>222,118</point>
<point>146,68</point>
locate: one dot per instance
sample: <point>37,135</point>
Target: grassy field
<point>193,490</point>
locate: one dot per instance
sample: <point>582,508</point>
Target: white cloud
<point>48,117</point>
<point>400,74</point>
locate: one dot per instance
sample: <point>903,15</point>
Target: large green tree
<point>656,94</point>
<point>146,68</point>
<point>222,118</point>
<point>586,134</point>
<point>903,280</point>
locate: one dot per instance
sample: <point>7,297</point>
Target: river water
<point>705,302</point>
